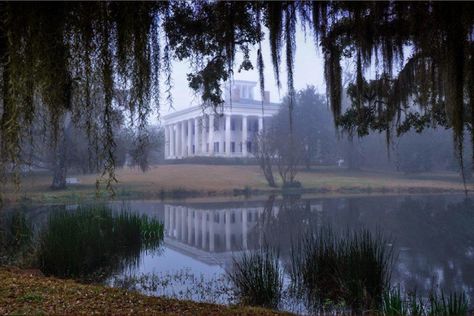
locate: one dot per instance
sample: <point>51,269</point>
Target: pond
<point>432,239</point>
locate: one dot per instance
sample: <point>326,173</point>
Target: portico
<point>228,132</point>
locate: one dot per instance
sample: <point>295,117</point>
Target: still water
<point>432,238</point>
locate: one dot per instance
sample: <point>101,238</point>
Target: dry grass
<point>221,180</point>
<point>27,293</point>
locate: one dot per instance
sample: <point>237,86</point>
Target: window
<point>249,147</point>
<point>232,147</point>
<point>207,147</point>
<point>232,125</point>
<point>232,217</point>
<point>223,149</point>
<point>194,149</point>
<point>240,146</point>
<point>216,147</point>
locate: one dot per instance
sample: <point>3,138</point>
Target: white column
<point>260,124</point>
<point>183,139</point>
<point>203,136</point>
<point>211,232</point>
<point>197,215</point>
<point>227,135</point>
<point>167,141</point>
<point>211,134</point>
<point>177,147</point>
<point>189,139</point>
<point>196,136</point>
<point>183,224</point>
<point>172,140</point>
<point>167,220</point>
<point>189,217</point>
<point>244,136</point>
<point>203,229</point>
<point>227,230</point>
<point>178,222</point>
<point>244,229</point>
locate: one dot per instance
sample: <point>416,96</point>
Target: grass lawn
<point>26,293</point>
<point>192,180</point>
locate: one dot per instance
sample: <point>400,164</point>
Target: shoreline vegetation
<point>166,183</point>
<point>29,292</point>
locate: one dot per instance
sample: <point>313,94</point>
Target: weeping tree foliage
<point>76,57</point>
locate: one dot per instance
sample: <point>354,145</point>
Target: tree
<point>60,52</point>
<point>313,126</point>
<point>265,153</point>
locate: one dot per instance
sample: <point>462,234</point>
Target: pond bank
<point>28,292</point>
<point>171,182</point>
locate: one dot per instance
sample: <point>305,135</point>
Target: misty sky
<point>309,70</point>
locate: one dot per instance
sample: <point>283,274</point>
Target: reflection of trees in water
<point>433,234</point>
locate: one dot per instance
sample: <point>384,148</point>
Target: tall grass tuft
<point>450,305</point>
<point>352,268</point>
<point>92,242</point>
<point>438,304</point>
<point>258,278</point>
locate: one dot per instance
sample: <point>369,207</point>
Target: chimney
<point>266,97</point>
<point>236,94</point>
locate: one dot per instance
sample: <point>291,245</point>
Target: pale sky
<point>309,70</point>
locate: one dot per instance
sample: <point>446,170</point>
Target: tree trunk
<point>59,164</point>
<point>59,158</point>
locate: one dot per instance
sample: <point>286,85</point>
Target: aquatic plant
<point>438,304</point>
<point>91,242</point>
<point>16,236</point>
<point>447,305</point>
<point>352,267</point>
<point>257,277</point>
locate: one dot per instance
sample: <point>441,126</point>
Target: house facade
<point>227,132</point>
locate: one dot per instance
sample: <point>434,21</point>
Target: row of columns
<point>178,143</point>
<point>183,223</point>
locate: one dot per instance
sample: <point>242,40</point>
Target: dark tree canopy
<point>76,56</point>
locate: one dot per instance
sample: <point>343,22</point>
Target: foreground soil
<point>27,292</point>
<point>194,180</point>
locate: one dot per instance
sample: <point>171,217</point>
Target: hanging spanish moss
<point>101,62</point>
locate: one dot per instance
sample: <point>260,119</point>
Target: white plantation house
<point>234,125</point>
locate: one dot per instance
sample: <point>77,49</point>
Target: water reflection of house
<point>212,234</point>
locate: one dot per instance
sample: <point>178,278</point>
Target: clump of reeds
<point>438,304</point>
<point>16,236</point>
<point>92,241</point>
<point>257,277</point>
<point>351,268</point>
